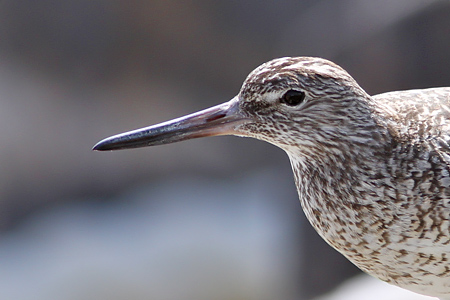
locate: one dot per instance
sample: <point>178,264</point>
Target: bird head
<point>290,102</point>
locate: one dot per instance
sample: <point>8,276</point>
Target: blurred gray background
<point>216,218</point>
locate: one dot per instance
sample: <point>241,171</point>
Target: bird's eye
<point>293,97</point>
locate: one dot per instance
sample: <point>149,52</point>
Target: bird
<point>372,172</point>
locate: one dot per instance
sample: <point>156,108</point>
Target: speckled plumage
<point>372,172</point>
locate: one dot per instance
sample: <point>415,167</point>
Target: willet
<point>372,172</point>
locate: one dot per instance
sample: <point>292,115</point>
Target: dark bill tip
<point>103,145</point>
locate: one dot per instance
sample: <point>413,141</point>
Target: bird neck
<point>335,178</point>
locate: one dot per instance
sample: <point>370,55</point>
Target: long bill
<point>221,119</point>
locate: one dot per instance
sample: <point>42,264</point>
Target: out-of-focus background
<point>217,218</point>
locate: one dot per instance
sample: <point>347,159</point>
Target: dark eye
<point>293,97</point>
